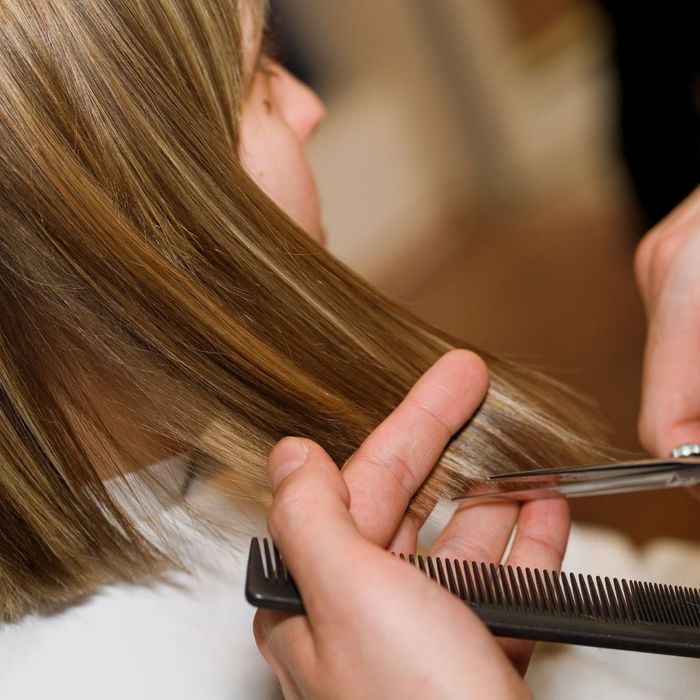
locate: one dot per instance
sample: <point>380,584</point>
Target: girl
<point>166,299</point>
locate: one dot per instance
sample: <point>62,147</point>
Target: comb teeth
<point>515,589</point>
<point>268,584</point>
<point>273,563</point>
<point>529,603</point>
<point>510,588</point>
<point>564,595</point>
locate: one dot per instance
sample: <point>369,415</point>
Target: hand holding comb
<point>529,603</point>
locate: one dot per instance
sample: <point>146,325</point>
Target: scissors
<point>682,468</point>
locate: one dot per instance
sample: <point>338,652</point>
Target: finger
<point>670,407</point>
<point>656,252</point>
<point>285,642</point>
<point>396,458</point>
<point>405,539</point>
<point>479,533</point>
<point>264,622</point>
<point>310,522</point>
<point>666,270</point>
<point>670,413</point>
<point>541,535</point>
<point>659,248</point>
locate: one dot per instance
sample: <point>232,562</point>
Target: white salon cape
<point>190,638</point>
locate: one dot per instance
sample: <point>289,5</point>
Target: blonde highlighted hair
<point>149,289</point>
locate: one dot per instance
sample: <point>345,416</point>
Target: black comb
<point>529,603</point>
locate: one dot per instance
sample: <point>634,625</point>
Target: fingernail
<point>288,454</point>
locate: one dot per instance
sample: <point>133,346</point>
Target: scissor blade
<point>590,471</point>
<point>597,480</point>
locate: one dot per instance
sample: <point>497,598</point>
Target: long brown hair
<point>149,288</point>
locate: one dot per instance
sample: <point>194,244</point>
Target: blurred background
<point>492,164</point>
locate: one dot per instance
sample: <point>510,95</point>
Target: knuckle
<point>397,469</point>
<point>662,251</point>
<point>653,256</point>
<point>642,258</point>
<point>434,421</point>
<point>462,547</point>
<point>545,548</point>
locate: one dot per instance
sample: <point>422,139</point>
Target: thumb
<point>309,519</point>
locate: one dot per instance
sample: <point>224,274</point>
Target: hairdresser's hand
<point>667,267</point>
<point>373,623</point>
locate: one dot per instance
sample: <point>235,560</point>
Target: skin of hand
<point>667,265</point>
<point>375,627</point>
